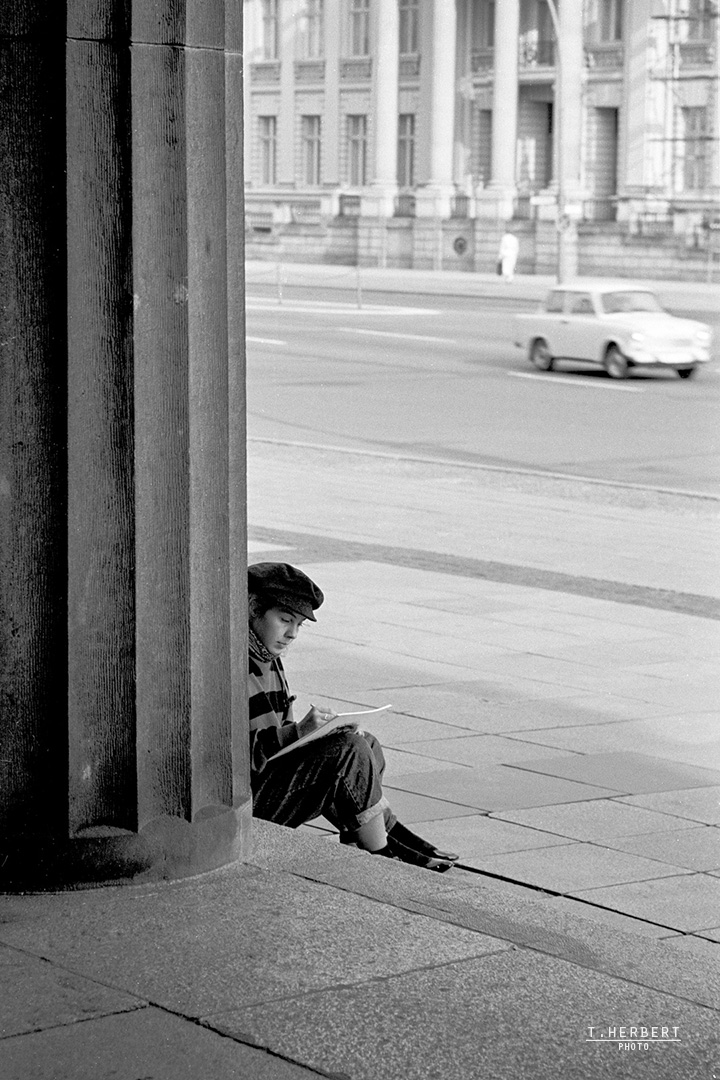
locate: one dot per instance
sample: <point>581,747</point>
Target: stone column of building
<point>642,117</point>
<point>380,200</point>
<point>497,200</point>
<point>122,527</point>
<point>286,124</point>
<point>569,114</point>
<point>436,190</point>
<point>251,54</point>
<point>331,118</point>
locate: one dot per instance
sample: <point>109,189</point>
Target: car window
<point>555,301</point>
<point>629,300</point>
<point>581,304</point>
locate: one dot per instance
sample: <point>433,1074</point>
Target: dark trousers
<point>338,777</point>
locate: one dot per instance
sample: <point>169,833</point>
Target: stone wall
<point>605,248</point>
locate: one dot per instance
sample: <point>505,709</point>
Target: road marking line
<point>570,380</point>
<point>266,341</point>
<point>333,307</point>
<point>390,333</point>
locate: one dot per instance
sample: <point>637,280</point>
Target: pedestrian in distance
<point>508,254</point>
<point>338,774</point>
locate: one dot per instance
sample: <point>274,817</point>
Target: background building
<point>409,132</point>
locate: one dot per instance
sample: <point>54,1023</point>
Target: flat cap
<point>287,586</point>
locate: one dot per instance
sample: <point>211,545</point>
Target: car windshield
<point>627,300</point>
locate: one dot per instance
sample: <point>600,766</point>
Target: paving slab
<point>486,707</point>
<point>147,1043</point>
<point>398,730</point>
<point>610,707</point>
<point>617,921</point>
<point>688,902</point>
<point>692,943</point>
<point>691,849</point>
<point>628,773</point>
<point>689,738</point>
<point>698,804</point>
<point>46,996</point>
<point>231,937</point>
<point>413,808</point>
<point>478,750</point>
<point>399,762</point>
<point>570,868</point>
<point>712,935</point>
<point>576,677</point>
<point>480,836</point>
<point>598,820</point>
<point>497,787</point>
<point>509,1015</point>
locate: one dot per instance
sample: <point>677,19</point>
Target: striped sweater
<point>271,719</point>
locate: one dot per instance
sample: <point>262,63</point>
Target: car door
<point>580,330</point>
<point>552,319</point>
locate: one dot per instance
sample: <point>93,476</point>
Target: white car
<point>616,324</point>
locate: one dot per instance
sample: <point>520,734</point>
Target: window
<point>483,25</point>
<point>311,150</point>
<point>611,20</point>
<point>406,150</point>
<point>268,149</point>
<point>359,27</point>
<point>694,148</point>
<point>623,302</point>
<point>555,301</point>
<point>311,30</point>
<point>408,26</point>
<point>697,18</point>
<point>270,30</point>
<point>581,304</point>
<point>357,150</point>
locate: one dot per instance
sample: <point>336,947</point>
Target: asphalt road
<point>439,377</point>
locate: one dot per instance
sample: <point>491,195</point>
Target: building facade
<point>410,132</point>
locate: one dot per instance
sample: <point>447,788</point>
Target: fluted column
<point>497,200</point>
<point>505,94</point>
<point>569,106</point>
<point>380,201</point>
<point>438,91</point>
<point>121,464</point>
<point>570,85</point>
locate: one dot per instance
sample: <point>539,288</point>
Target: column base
<point>165,849</point>
<point>379,202</point>
<point>495,203</point>
<point>434,201</point>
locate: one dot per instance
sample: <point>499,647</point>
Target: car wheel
<point>686,372</point>
<point>615,363</point>
<point>541,356</point>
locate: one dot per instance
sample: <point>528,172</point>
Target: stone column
<point>331,119</point>
<point>380,201</point>
<point>122,527</point>
<point>286,124</point>
<point>433,197</point>
<point>377,203</point>
<point>569,108</point>
<point>498,199</point>
<point>570,85</point>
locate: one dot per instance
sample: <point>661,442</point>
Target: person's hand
<point>314,720</point>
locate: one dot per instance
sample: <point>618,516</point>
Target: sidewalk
<point>555,719</point>
<point>683,295</point>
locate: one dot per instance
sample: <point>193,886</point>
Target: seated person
<point>338,776</point>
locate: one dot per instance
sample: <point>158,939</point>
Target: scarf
<point>257,649</point>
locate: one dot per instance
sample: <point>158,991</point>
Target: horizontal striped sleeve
<point>270,709</point>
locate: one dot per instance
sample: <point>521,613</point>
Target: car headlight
<point>637,338</point>
<point>702,337</point>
